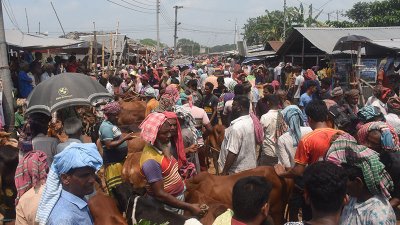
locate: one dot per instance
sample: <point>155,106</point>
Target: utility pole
<point>57,18</point>
<point>5,75</point>
<point>94,44</point>
<point>39,27</point>
<point>27,21</point>
<point>236,31</point>
<point>284,19</point>
<point>176,27</point>
<point>337,15</point>
<point>158,29</point>
<point>115,49</point>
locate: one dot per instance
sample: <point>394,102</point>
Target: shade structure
<point>64,90</point>
<point>350,42</point>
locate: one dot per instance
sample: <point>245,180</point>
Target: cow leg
<point>203,158</point>
<point>122,193</point>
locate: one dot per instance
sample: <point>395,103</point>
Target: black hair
<point>38,123</point>
<point>353,172</point>
<point>269,87</point>
<point>192,84</point>
<point>174,80</point>
<point>210,85</point>
<point>325,183</point>
<point>220,80</point>
<point>103,81</point>
<point>310,83</point>
<point>273,100</point>
<point>249,195</point>
<point>243,101</point>
<point>317,110</point>
<point>326,81</point>
<point>238,89</point>
<point>116,81</point>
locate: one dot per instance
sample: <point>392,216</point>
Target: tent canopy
<point>18,39</point>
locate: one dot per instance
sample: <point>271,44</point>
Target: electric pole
<point>337,15</point>
<point>158,29</point>
<point>284,19</point>
<point>236,31</point>
<point>5,75</point>
<point>27,21</point>
<point>176,27</point>
<point>94,45</point>
<point>57,18</point>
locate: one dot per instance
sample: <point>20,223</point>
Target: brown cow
<point>206,186</point>
<point>131,112</point>
<point>104,210</point>
<point>214,142</point>
<point>131,171</point>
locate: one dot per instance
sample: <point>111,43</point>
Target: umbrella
<point>181,62</point>
<point>350,42</point>
<point>64,90</point>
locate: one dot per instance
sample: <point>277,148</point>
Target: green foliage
<point>269,27</point>
<point>373,14</point>
<point>150,42</point>
<point>186,46</point>
<point>222,48</point>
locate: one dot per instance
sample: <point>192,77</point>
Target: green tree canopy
<point>372,14</point>
<point>185,46</point>
<point>150,42</point>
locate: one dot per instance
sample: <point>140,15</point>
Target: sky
<point>208,22</point>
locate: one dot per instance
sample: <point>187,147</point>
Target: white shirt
<point>394,121</point>
<point>382,106</point>
<point>298,82</point>
<point>110,88</point>
<point>285,150</point>
<point>227,107</point>
<point>268,121</point>
<point>277,72</point>
<point>239,139</point>
<point>45,76</point>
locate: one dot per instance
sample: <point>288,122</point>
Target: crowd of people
<point>286,116</point>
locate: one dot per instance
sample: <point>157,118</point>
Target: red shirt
<point>313,146</point>
<point>236,222</point>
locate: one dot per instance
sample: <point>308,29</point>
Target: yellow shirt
<point>150,106</point>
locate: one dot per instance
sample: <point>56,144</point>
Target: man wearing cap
<point>71,177</point>
<point>73,129</point>
<point>144,79</point>
<point>337,95</point>
<point>115,147</point>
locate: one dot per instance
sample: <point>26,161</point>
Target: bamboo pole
<point>102,55</point>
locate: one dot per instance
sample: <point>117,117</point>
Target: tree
<point>150,42</point>
<point>188,47</point>
<point>372,14</point>
<point>269,27</point>
<point>222,48</point>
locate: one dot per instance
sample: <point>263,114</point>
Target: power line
<point>9,17</point>
<point>144,3</point>
<point>136,5</point>
<point>12,12</point>
<point>126,7</point>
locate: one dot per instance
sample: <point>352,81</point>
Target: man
<point>278,71</point>
<point>115,148</point>
<point>71,177</point>
<point>262,105</point>
<point>367,205</point>
<point>351,97</point>
<point>210,103</point>
<point>30,177</point>
<point>249,202</point>
<point>337,95</point>
<point>274,126</point>
<point>313,146</point>
<point>238,150</point>
<point>151,100</point>
<point>197,98</point>
<point>288,142</point>
<point>160,167</point>
<point>144,79</point>
<point>40,141</point>
<point>227,112</point>
<point>73,129</point>
<point>297,86</point>
<point>307,96</point>
<point>325,191</point>
<point>25,82</point>
<point>393,116</point>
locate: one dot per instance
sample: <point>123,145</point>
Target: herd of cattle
<point>205,188</point>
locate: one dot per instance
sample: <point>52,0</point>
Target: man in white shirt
<point>238,150</point>
<point>297,87</point>
<point>269,122</point>
<point>278,71</point>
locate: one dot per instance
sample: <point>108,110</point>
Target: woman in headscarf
<point>369,183</point>
<point>382,138</point>
<point>115,148</point>
<point>287,143</point>
<point>160,167</point>
<point>30,177</point>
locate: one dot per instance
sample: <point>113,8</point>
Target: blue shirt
<point>304,100</point>
<point>70,210</point>
<point>25,84</point>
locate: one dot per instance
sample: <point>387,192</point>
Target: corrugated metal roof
<point>30,41</point>
<point>391,43</point>
<point>326,38</point>
<point>275,45</point>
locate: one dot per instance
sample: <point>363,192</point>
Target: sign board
<point>369,70</point>
<point>343,69</point>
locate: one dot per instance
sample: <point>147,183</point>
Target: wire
<point>137,5</point>
<point>144,3</point>
<point>12,13</point>
<point>126,7</point>
<point>9,17</point>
